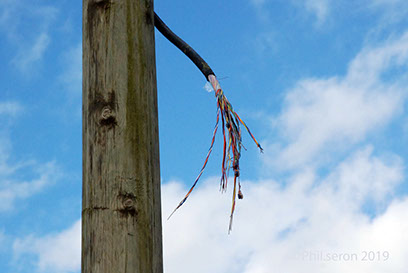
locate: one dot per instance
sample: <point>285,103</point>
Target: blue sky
<point>323,86</point>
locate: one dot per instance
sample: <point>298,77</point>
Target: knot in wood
<point>128,203</point>
<point>106,112</point>
<point>107,117</point>
<point>128,207</point>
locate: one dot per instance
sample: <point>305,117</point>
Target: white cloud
<point>369,65</point>
<point>58,253</point>
<point>281,228</point>
<point>325,115</point>
<point>364,177</point>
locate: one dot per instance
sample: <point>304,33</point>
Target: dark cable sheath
<point>183,46</point>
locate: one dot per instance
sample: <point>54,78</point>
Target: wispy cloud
<point>71,76</point>
<point>392,11</point>
<point>2,240</point>
<point>14,185</point>
<point>10,108</point>
<point>322,115</point>
<point>8,111</point>
<point>320,9</point>
<point>12,190</point>
<point>59,252</point>
<point>265,43</point>
<point>389,11</point>
<point>25,58</point>
<point>258,3</point>
<point>18,19</point>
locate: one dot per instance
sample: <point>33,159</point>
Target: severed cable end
<point>240,195</point>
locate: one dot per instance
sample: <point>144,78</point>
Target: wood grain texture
<point>121,211</point>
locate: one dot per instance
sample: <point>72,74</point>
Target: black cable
<point>183,46</point>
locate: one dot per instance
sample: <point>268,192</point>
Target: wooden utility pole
<point>121,217</point>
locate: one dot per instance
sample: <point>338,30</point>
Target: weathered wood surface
<point>121,217</point>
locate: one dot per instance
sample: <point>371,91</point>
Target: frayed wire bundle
<point>229,118</point>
